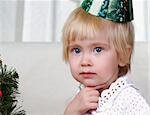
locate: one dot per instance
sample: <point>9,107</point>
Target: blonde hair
<point>81,25</point>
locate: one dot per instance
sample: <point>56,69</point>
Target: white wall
<point>42,20</point>
<point>46,84</point>
<point>148,28</point>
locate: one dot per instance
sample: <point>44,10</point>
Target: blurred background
<point>30,41</point>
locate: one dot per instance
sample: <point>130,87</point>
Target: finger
<point>93,93</point>
<point>93,99</point>
<point>93,106</point>
<point>89,88</point>
<point>95,87</point>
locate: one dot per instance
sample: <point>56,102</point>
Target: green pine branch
<point>9,91</point>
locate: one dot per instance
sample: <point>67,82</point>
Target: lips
<point>87,74</point>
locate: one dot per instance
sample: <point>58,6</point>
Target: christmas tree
<point>9,91</point>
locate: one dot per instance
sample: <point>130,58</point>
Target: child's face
<point>93,63</point>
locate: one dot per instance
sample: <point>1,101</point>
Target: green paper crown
<point>114,10</point>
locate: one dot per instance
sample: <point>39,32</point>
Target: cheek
<point>74,62</point>
<point>73,67</point>
<point>108,64</point>
<point>74,71</point>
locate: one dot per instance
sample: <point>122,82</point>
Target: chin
<point>90,84</point>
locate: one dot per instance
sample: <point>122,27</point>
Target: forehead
<point>90,43</point>
<point>100,36</point>
<point>89,29</point>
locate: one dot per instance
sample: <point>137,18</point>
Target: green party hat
<point>114,10</point>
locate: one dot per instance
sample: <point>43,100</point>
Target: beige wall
<point>46,84</point>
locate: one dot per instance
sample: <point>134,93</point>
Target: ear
<point>125,57</point>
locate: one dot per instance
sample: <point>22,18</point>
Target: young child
<point>98,41</point>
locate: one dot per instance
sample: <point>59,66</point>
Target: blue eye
<point>98,49</point>
<point>76,50</point>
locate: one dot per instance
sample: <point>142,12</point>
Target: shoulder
<point>132,101</point>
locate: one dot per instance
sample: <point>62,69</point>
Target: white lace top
<point>122,98</point>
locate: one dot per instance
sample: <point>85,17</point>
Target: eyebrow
<point>74,45</point>
<point>100,44</point>
<point>92,44</point>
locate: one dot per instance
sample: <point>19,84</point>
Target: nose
<point>86,60</point>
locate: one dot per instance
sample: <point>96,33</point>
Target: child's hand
<point>85,100</point>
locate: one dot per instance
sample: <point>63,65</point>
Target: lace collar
<point>109,95</point>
